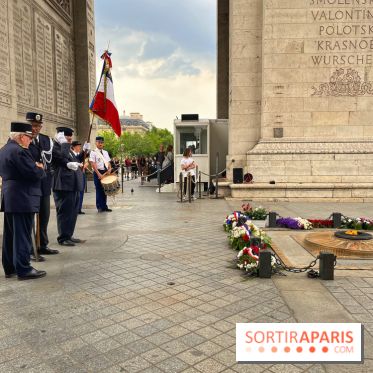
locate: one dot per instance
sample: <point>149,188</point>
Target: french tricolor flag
<point>103,104</point>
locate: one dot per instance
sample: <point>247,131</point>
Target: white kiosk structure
<point>206,138</point>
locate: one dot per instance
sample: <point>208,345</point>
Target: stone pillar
<point>223,59</point>
<point>84,63</point>
<point>245,77</point>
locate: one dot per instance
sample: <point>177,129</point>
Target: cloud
<point>164,55</point>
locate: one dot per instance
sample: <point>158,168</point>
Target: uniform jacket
<point>20,192</point>
<point>44,144</point>
<point>65,179</point>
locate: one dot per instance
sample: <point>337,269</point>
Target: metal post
<point>159,179</point>
<point>326,268</point>
<point>122,175</point>
<point>337,219</point>
<point>199,183</point>
<point>265,269</point>
<point>189,187</point>
<point>217,176</point>
<point>272,217</point>
<point>121,147</point>
<point>181,186</point>
<point>196,190</point>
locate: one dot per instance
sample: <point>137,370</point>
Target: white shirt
<point>100,158</point>
<point>187,162</point>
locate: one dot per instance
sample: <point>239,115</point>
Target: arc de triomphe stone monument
<point>47,62</point>
<point>295,79</point>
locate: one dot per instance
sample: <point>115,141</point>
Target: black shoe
<point>39,259</point>
<point>108,210</point>
<point>10,275</point>
<point>81,213</point>
<point>76,240</point>
<point>67,243</point>
<point>48,251</point>
<point>34,273</point>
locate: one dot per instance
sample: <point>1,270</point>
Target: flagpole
<point>90,128</point>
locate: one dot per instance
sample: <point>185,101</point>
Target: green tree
<point>135,144</point>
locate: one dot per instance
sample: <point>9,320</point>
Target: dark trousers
<point>193,182</point>
<point>101,197</point>
<point>67,208</point>
<point>17,242</point>
<point>44,213</point>
<point>81,194</point>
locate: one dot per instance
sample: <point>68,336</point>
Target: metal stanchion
<point>189,187</point>
<point>122,175</point>
<point>181,179</point>
<point>199,183</point>
<point>159,179</point>
<point>337,219</point>
<point>217,175</point>
<point>196,189</point>
<point>272,218</point>
<point>327,262</point>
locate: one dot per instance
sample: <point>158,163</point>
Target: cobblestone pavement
<point>152,290</point>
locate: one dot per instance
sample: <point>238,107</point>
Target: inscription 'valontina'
<point>344,84</point>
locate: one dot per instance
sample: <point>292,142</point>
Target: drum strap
<point>101,156</point>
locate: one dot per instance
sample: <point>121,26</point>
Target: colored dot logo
<point>287,349</point>
<point>312,349</point>
<point>325,350</point>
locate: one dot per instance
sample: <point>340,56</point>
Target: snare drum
<point>110,184</point>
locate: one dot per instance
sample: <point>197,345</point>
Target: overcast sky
<point>164,56</point>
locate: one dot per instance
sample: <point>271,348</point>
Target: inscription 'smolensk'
<point>344,84</point>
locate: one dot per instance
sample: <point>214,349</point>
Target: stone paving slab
<point>153,290</point>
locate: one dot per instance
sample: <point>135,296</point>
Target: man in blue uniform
<point>100,161</point>
<point>41,150</point>
<point>20,200</point>
<point>67,183</point>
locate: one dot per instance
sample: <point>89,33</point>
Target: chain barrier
<point>214,175</point>
<point>311,272</point>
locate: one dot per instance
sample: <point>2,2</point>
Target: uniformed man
<point>41,150</point>
<point>76,147</point>
<point>67,183</point>
<point>20,200</point>
<point>100,162</point>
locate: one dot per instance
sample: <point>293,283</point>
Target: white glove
<point>60,138</point>
<point>86,146</point>
<point>73,166</point>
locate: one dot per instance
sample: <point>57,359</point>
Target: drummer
<point>100,162</point>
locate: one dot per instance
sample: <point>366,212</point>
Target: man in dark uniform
<point>41,150</point>
<point>76,147</point>
<point>67,183</point>
<point>20,200</point>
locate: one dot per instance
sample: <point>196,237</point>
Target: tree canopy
<point>135,144</point>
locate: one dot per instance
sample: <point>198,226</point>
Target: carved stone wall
<point>37,61</point>
<point>301,91</point>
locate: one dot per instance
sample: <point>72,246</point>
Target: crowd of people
<point>32,167</point>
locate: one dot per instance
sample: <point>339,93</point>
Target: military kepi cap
<point>75,143</point>
<point>34,117</point>
<point>19,127</point>
<point>100,138</point>
<point>66,130</point>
